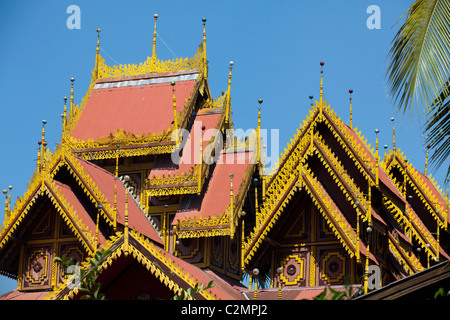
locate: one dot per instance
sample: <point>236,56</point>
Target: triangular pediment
<point>160,274</point>
<point>343,177</point>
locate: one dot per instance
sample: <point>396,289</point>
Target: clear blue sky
<point>276,47</point>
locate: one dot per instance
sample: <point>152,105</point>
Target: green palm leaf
<point>438,128</point>
<point>419,58</point>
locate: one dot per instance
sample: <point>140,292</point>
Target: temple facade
<point>149,172</point>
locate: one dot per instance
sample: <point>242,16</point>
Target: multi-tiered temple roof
<point>147,170</point>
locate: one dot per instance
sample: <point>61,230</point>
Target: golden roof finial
<point>377,158</point>
<point>351,110</point>
<point>64,116</point>
<point>97,52</point>
<point>426,160</point>
<point>175,120</point>
<point>71,95</point>
<point>5,192</point>
<point>125,230</point>
<point>393,133</point>
<point>258,134</point>
<point>200,164</point>
<point>321,82</point>
<point>9,202</point>
<point>99,208</point>
<point>205,70</point>
<point>231,198</point>
<point>257,213</point>
<point>116,175</point>
<point>43,144</point>
<point>227,111</point>
<point>154,36</point>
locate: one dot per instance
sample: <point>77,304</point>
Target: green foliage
<point>186,294</point>
<point>441,294</point>
<point>88,277</point>
<point>419,71</point>
<point>347,294</point>
<point>64,262</point>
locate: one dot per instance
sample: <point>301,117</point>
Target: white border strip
<point>132,83</point>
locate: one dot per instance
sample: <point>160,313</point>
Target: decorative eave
<point>158,262</point>
<point>42,185</point>
<point>293,174</point>
<point>283,184</point>
<point>437,207</point>
<point>412,222</point>
<point>409,262</point>
<point>84,181</point>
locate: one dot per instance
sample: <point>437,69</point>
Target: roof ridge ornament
<point>205,67</point>
<point>258,135</point>
<point>350,91</point>
<point>228,105</point>
<point>154,37</point>
<point>393,134</point>
<point>321,91</point>
<point>97,52</point>
<point>321,81</point>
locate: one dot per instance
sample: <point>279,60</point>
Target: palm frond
<point>438,128</point>
<point>419,59</point>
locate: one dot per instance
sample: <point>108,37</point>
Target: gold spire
<point>200,164</point>
<point>369,230</point>
<point>154,37</point>
<point>6,207</point>
<point>97,52</point>
<point>231,195</point>
<point>242,241</point>
<point>321,82</point>
<point>175,120</point>
<point>393,134</point>
<point>64,116</point>
<point>263,175</point>
<point>426,160</point>
<point>258,220</point>
<point>446,212</point>
<point>205,70</point>
<point>125,230</point>
<point>43,145</point>
<point>351,110</point>
<point>258,135</point>
<point>71,96</point>
<point>9,201</point>
<point>377,157</point>
<point>227,111</point>
<point>116,175</point>
<point>255,272</point>
<point>99,207</point>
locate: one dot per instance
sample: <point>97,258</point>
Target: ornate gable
<point>331,163</point>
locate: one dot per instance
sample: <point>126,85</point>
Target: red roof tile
<point>165,166</point>
<point>73,200</point>
<point>24,295</point>
<point>105,182</point>
<point>139,105</point>
<point>216,197</point>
